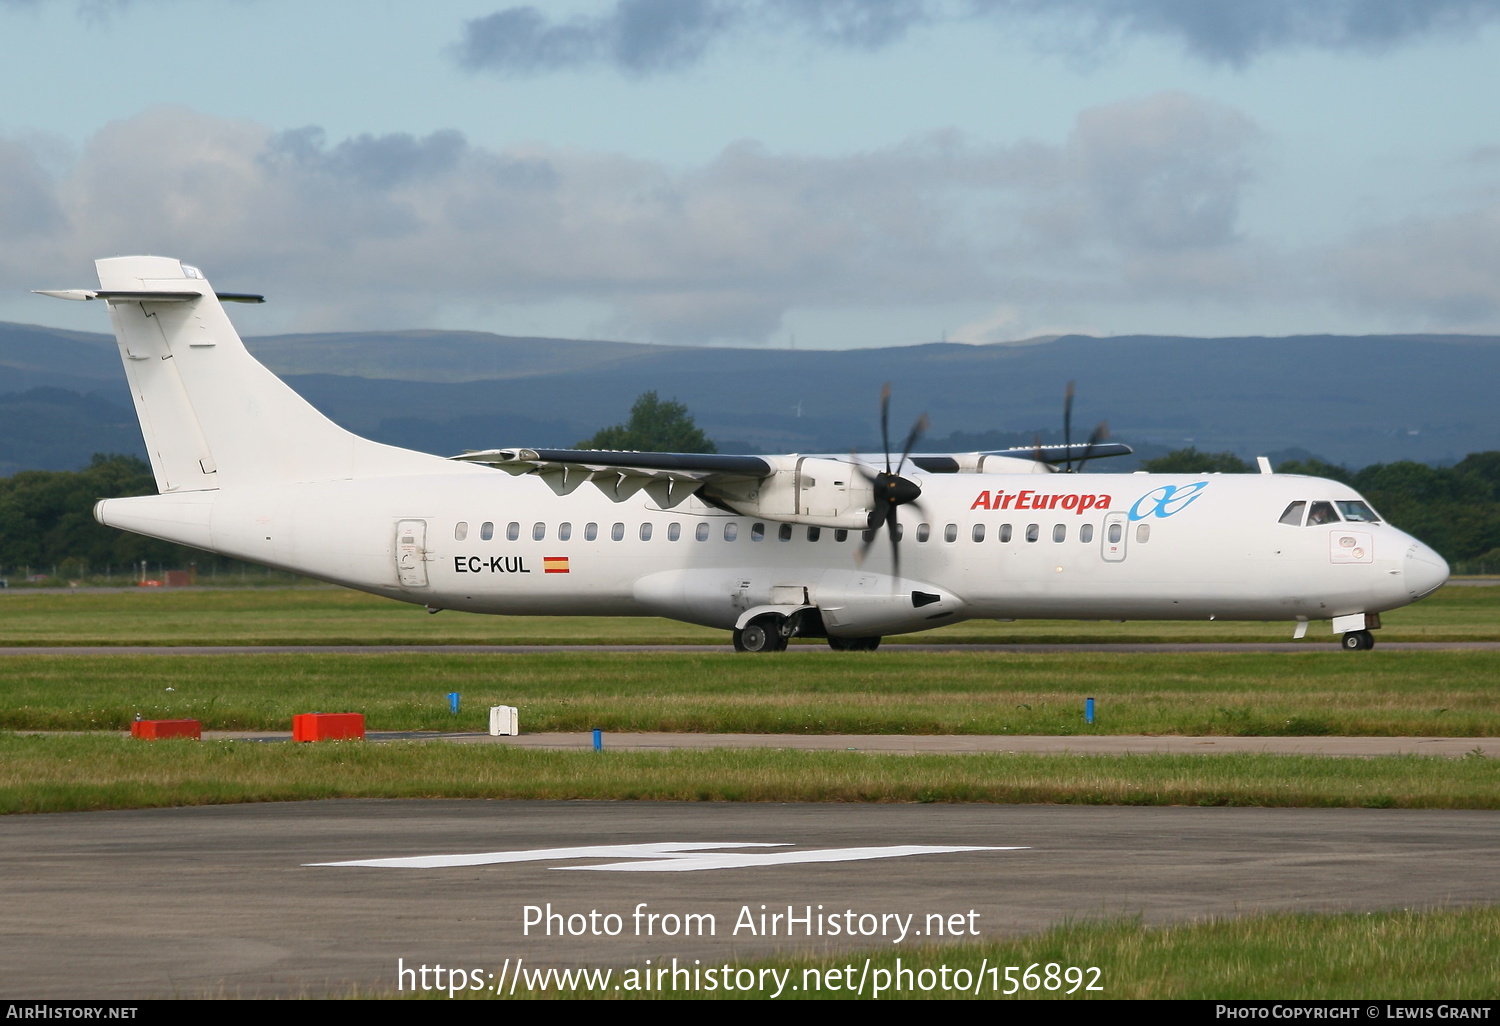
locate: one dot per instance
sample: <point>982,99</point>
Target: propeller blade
<point>917,431</point>
<point>1068,426</point>
<point>893,529</point>
<point>1101,433</point>
<point>885,420</point>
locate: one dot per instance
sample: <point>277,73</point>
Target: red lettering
<point>982,502</point>
<point>1022,502</point>
<point>1053,503</point>
<point>1070,501</point>
<point>1104,502</point>
<point>1085,502</point>
<point>1006,503</point>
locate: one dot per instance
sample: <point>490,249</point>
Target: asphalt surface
<point>224,902</point>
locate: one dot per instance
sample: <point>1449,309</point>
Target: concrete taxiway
<point>222,901</point>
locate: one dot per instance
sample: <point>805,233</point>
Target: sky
<point>820,174</point>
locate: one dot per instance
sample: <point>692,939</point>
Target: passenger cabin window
<point>486,531</point>
<point>645,532</point>
<point>512,531</point>
<point>564,532</point>
<point>1033,532</point>
<point>923,532</point>
<point>701,532</point>
<point>1357,512</point>
<point>1293,514</point>
<point>900,531</point>
<point>950,533</point>
<point>460,530</point>
<point>840,534</point>
<point>1142,532</point>
<point>674,531</point>
<point>867,536</point>
<point>1059,532</point>
<point>731,531</point>
<point>590,532</point>
<point>814,533</point>
<point>784,532</point>
<point>617,532</point>
<point>978,534</point>
<point>1086,533</point>
<point>757,532</point>
<point>1004,533</point>
<point>1321,513</point>
<point>538,532</point>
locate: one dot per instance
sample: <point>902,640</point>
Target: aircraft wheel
<point>1358,641</point>
<point>854,644</point>
<point>762,634</point>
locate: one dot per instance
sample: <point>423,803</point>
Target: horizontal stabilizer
<point>139,296</point>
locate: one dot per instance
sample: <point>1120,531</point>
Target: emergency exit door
<point>411,553</point>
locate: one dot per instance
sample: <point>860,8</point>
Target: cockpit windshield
<point>1327,512</point>
<point>1357,512</point>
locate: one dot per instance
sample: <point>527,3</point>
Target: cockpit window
<point>1293,513</point>
<point>1321,513</point>
<point>1357,512</point>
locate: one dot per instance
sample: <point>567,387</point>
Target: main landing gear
<point>770,633</point>
<point>1357,641</point>
<point>763,634</point>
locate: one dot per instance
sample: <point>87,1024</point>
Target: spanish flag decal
<point>555,564</point>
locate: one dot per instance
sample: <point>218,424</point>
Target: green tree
<point>654,426</point>
<point>1191,461</point>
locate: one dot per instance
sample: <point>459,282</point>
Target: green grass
<point>1438,954</point>
<point>52,773</point>
<point>1440,693</point>
<point>312,615</point>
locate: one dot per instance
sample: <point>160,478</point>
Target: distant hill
<point>1351,400</point>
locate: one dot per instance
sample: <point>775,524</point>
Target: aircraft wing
<point>668,477</point>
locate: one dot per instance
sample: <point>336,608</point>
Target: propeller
<point>1098,435</point>
<point>891,489</point>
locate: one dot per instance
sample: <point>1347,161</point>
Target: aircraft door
<point>411,553</point>
<point>1116,531</point>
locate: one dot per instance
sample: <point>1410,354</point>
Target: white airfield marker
<point>668,857</point>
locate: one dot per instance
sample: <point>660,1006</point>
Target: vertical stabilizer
<point>212,416</point>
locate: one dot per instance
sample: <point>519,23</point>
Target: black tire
<point>763,634</point>
<point>1358,641</point>
<point>854,644</point>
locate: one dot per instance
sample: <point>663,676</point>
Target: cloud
<point>371,228</point>
<point>1237,33</point>
<point>644,37</point>
<point>636,36</point>
<point>1139,205</point>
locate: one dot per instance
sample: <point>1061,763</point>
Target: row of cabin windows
<point>1322,512</point>
<point>731,532</point>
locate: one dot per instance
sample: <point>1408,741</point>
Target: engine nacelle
<point>802,490</point>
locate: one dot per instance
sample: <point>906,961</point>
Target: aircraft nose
<point>1424,571</point>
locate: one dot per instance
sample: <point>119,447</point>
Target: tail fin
<point>213,417</point>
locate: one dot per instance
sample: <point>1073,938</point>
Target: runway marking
<point>668,857</point>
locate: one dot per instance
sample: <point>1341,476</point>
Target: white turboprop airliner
<point>769,547</point>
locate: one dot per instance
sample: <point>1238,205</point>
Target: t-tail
<point>216,422</point>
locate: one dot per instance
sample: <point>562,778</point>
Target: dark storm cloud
<point>647,36</point>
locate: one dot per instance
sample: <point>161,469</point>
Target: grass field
<point>41,773</point>
<point>1403,955</point>
<point>1249,694</point>
<point>315,615</point>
